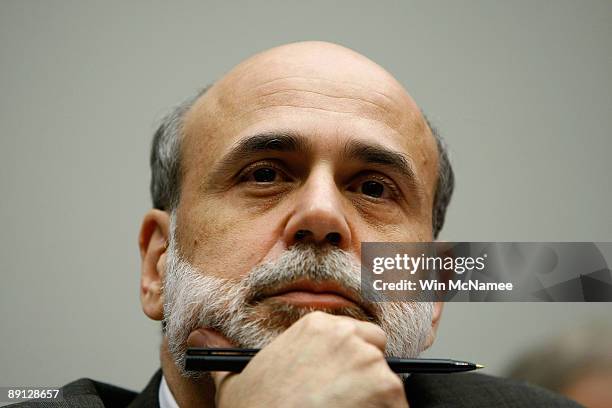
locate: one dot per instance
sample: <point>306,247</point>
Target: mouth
<point>317,294</point>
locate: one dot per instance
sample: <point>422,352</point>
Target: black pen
<point>235,359</point>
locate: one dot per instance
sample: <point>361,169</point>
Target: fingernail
<point>199,338</point>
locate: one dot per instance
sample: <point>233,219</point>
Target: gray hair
<point>166,157</point>
<point>446,181</point>
<point>166,165</point>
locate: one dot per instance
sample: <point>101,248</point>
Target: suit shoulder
<point>478,390</point>
<point>87,393</point>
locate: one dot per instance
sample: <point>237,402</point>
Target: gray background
<point>521,91</point>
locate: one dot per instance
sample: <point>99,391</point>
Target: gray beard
<point>239,311</point>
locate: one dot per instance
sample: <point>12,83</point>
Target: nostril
<point>301,234</point>
<point>333,238</point>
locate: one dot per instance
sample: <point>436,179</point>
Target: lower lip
<point>311,299</point>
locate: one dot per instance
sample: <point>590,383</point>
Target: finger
<point>204,337</point>
<point>210,338</point>
<point>369,332</point>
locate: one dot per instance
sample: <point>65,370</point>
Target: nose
<point>318,216</point>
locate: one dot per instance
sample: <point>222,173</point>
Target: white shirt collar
<point>166,399</point>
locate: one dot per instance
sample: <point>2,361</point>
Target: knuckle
<point>392,387</point>
<point>371,354</point>
<point>379,331</point>
<point>344,329</point>
<point>378,334</point>
<point>315,321</point>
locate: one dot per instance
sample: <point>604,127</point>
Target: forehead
<point>328,96</point>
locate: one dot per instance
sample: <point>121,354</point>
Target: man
<point>576,363</point>
<point>264,187</point>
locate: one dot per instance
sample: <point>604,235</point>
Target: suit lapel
<point>149,397</point>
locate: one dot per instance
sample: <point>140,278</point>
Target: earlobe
<point>435,321</point>
<point>437,314</point>
<point>152,241</point>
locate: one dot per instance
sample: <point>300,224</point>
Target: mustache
<point>305,262</point>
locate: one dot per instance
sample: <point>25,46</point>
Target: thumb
<point>211,338</point>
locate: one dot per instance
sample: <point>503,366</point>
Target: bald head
<point>311,75</point>
<point>325,67</point>
<point>314,59</point>
<point>321,91</point>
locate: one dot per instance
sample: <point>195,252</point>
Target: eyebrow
<point>277,141</point>
<point>284,141</point>
<point>379,155</point>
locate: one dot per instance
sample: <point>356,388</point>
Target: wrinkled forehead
<point>319,76</point>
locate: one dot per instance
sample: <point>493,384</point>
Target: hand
<point>322,360</point>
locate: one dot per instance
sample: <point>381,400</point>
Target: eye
<point>264,175</point>
<point>374,185</point>
<point>373,188</point>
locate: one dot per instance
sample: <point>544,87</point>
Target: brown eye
<point>373,189</point>
<point>264,175</point>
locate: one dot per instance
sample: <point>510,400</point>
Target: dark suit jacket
<point>423,390</point>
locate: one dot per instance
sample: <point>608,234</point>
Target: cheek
<point>226,243</point>
<point>406,232</point>
<point>398,228</point>
<point>394,232</point>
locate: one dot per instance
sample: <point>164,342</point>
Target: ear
<point>435,320</point>
<point>153,241</point>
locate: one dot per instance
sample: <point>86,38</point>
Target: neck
<point>187,392</point>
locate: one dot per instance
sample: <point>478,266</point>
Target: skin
<point>329,97</point>
<point>592,389</point>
